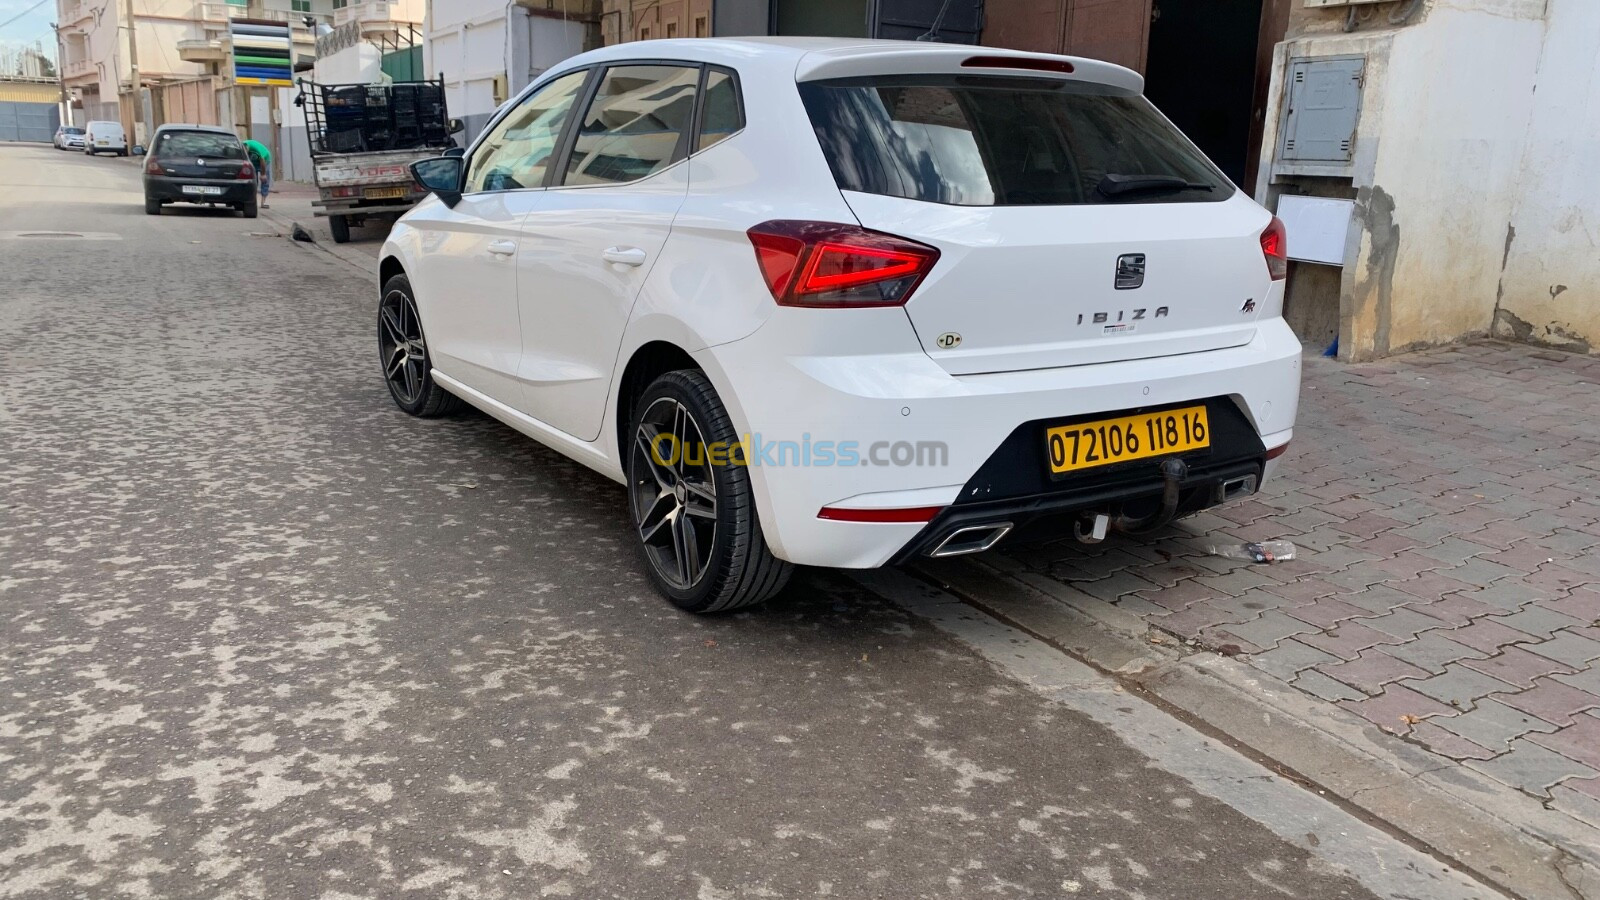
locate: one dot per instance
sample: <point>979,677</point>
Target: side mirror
<point>456,152</point>
<point>442,176</point>
<point>457,126</point>
<point>138,150</point>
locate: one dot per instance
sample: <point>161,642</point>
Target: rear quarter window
<point>1004,141</point>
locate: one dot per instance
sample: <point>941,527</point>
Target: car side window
<point>721,113</point>
<point>516,153</point>
<point>635,125</point>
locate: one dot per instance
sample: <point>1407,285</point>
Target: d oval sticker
<point>949,340</point>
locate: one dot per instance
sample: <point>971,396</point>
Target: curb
<point>1496,833</point>
<point>366,264</point>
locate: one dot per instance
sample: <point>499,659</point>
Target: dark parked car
<point>198,164</point>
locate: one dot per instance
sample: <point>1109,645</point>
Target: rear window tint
<point>200,143</point>
<point>999,141</point>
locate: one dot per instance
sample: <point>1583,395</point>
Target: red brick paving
<point>1433,484</point>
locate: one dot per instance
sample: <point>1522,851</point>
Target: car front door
<point>591,239</point>
<point>466,276</point>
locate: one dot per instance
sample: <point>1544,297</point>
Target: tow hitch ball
<point>1092,528</point>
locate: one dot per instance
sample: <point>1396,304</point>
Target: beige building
<point>178,46</point>
<point>643,20</point>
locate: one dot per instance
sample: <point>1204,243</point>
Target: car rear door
<point>466,276</point>
<point>1075,224</point>
<point>590,241</point>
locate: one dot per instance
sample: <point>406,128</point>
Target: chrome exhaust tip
<point>1234,488</point>
<point>971,539</point>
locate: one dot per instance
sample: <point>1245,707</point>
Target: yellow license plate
<point>388,193</point>
<point>1090,444</point>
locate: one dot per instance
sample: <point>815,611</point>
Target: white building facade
<point>488,50</point>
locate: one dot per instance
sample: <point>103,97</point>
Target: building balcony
<point>202,50</point>
<point>215,16</point>
<point>80,71</point>
<point>74,12</point>
<point>383,14</point>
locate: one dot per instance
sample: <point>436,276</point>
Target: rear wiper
<point>1114,185</point>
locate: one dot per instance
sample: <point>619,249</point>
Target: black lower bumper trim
<point>1014,484</point>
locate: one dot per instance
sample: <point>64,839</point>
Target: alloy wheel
<point>400,346</point>
<point>673,491</point>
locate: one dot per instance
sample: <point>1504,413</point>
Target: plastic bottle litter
<point>1264,552</point>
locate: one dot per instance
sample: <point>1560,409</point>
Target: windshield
<point>1004,141</point>
<point>72,131</point>
<point>197,143</point>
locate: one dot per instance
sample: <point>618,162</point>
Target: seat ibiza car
<point>847,303</point>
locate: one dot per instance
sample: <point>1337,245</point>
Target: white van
<point>105,137</point>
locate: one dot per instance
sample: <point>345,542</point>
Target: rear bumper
<point>881,401</point>
<point>170,188</point>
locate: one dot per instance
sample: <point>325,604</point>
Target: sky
<point>34,26</point>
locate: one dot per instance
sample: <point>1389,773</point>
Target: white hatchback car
<point>847,303</point>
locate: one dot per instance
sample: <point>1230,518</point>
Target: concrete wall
<point>468,41</point>
<point>1550,289</point>
<point>359,63</point>
<point>1451,141</point>
<point>488,54</point>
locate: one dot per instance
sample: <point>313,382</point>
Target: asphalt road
<point>265,636</point>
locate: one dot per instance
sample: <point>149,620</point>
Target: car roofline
<point>811,58</point>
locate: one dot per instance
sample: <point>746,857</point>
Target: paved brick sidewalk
<point>1447,509</point>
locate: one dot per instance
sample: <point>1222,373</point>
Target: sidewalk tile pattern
<point>1446,507</point>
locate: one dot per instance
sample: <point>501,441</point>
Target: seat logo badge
<point>948,341</point>
<point>1248,307</point>
<point>1130,271</point>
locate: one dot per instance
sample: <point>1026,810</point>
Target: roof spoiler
<point>956,59</point>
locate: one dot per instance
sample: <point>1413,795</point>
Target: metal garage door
<point>28,121</point>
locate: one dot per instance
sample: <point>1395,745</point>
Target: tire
<point>739,570</point>
<point>410,379</point>
<point>152,207</point>
<point>250,210</point>
<point>340,227</point>
<point>122,153</point>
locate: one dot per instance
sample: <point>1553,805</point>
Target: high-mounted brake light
<point>1275,247</point>
<point>1018,62</point>
<point>826,264</point>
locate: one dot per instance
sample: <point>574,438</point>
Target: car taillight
<point>246,171</point>
<point>1275,247</point>
<point>153,167</point>
<point>826,264</point>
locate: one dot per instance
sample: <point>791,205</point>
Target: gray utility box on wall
<point>1319,127</point>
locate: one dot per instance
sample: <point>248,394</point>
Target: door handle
<point>627,256</point>
<point>503,248</point>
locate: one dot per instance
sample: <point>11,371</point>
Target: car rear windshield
<point>200,143</point>
<point>1005,141</point>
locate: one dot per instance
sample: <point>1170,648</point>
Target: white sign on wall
<point>1316,227</point>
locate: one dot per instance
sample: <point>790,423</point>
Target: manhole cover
<point>62,235</point>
